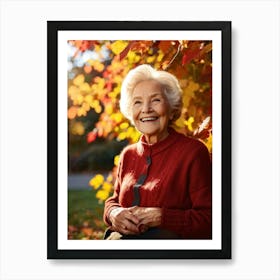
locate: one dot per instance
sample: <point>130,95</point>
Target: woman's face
<point>150,110</point>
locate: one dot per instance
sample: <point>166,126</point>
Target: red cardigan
<point>178,180</point>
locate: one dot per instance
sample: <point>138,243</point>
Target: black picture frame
<point>53,252</point>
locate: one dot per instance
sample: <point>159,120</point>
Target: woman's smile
<point>148,119</point>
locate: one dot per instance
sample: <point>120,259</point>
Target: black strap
<point>140,182</point>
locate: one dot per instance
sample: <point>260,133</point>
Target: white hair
<point>168,82</point>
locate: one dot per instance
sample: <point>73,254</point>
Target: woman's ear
<point>171,116</point>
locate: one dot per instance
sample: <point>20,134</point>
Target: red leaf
<point>193,51</point>
<point>91,136</point>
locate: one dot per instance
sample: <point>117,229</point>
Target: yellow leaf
<point>88,98</point>
<point>77,128</point>
<point>117,117</point>
<point>81,112</point>
<point>96,64</point>
<point>102,195</point>
<point>85,87</point>
<point>78,99</point>
<point>107,186</point>
<point>193,86</point>
<point>99,66</point>
<point>96,106</point>
<point>160,56</point>
<point>180,122</point>
<point>98,109</point>
<point>122,136</point>
<point>86,106</point>
<point>79,80</point>
<point>109,178</point>
<point>133,57</point>
<point>116,160</point>
<point>135,136</point>
<point>209,143</point>
<point>118,46</point>
<point>151,59</point>
<point>118,80</point>
<point>124,125</point>
<point>109,109</point>
<point>96,181</point>
<point>91,62</point>
<point>189,123</point>
<point>189,92</point>
<point>73,90</point>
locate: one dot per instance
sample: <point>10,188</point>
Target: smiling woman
<point>150,111</point>
<point>163,185</point>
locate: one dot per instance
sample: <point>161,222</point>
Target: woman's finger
<point>131,217</point>
<point>129,227</point>
<point>125,223</point>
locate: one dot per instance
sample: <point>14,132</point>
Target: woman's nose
<point>146,107</point>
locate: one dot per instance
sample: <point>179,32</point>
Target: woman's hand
<point>124,221</point>
<point>147,216</point>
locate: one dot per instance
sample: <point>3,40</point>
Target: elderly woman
<point>163,185</point>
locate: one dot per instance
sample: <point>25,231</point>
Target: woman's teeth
<point>148,119</point>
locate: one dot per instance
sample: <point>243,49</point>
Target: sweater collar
<point>144,148</point>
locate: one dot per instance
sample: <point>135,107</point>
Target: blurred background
<point>97,131</point>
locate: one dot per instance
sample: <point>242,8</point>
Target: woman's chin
<point>149,132</point>
<point>153,136</point>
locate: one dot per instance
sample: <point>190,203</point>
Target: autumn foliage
<point>95,79</point>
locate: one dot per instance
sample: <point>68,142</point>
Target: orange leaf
<point>87,231</point>
<point>164,46</point>
<point>193,51</point>
<point>72,112</point>
<point>87,69</point>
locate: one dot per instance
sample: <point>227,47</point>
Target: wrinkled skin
<point>135,220</point>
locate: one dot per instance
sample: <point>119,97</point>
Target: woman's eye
<point>156,100</point>
<point>137,102</point>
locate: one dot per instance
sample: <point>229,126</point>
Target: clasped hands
<point>135,220</point>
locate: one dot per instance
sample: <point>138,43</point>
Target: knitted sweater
<point>177,179</point>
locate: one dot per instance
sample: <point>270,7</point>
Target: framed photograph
<point>179,204</point>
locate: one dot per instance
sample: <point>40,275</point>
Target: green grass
<point>85,215</point>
